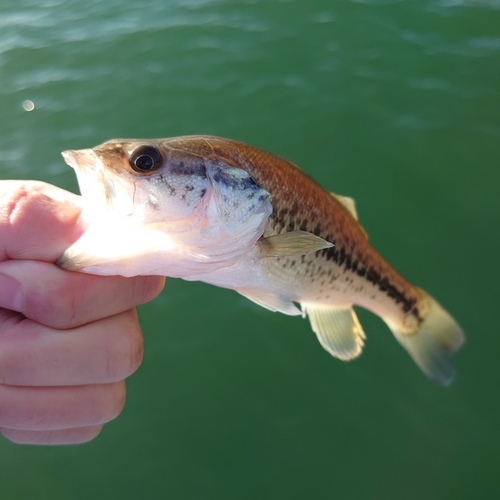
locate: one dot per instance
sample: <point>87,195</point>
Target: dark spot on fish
<point>188,187</point>
<point>373,276</point>
<point>279,217</point>
<point>202,192</point>
<point>383,284</point>
<point>332,254</point>
<point>153,205</point>
<point>241,184</point>
<point>304,224</point>
<point>180,168</point>
<point>341,256</point>
<point>348,264</point>
<point>167,184</point>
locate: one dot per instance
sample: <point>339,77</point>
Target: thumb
<point>37,221</point>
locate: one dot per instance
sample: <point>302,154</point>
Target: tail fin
<point>433,343</point>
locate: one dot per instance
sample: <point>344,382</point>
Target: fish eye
<point>145,159</point>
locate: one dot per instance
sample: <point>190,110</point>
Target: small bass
<point>216,210</point>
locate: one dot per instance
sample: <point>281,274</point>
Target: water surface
<point>396,103</point>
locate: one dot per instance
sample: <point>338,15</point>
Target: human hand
<point>67,340</point>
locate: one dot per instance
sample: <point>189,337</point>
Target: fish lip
<point>98,186</point>
<point>81,159</point>
<point>91,177</point>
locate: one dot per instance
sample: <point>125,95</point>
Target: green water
<point>394,103</point>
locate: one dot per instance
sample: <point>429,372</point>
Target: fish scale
<point>216,210</point>
<point>333,225</point>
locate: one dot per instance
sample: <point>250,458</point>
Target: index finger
<point>37,221</point>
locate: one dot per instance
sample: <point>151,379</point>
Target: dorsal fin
<point>348,203</point>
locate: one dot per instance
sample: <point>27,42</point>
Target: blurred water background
<point>396,103</point>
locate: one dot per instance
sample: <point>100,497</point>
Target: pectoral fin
<point>269,301</point>
<point>292,243</point>
<point>337,328</point>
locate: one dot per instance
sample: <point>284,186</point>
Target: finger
<point>62,299</point>
<point>33,225</point>
<point>102,352</point>
<point>76,435</point>
<point>55,408</point>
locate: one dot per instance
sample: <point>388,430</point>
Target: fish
<point>206,208</point>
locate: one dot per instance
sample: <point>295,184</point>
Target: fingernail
<point>11,293</point>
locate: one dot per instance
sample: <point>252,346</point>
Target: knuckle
<point>63,304</point>
<point>117,398</point>
<point>130,346</point>
<point>148,287</point>
<point>13,202</point>
<point>54,303</point>
<point>22,204</point>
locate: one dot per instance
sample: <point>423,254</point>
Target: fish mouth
<point>89,171</point>
<point>103,192</point>
<point>81,160</point>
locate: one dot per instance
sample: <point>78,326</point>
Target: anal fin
<point>270,301</point>
<point>337,328</point>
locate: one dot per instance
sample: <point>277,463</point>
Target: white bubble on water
<point>29,105</point>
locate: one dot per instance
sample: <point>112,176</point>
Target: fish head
<point>140,180</point>
<point>159,200</point>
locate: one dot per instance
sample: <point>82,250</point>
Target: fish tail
<point>433,342</point>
